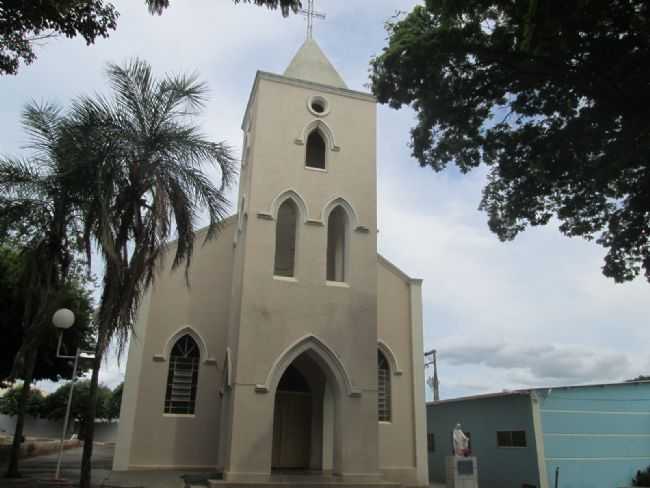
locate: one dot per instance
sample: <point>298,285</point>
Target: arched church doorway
<point>302,418</point>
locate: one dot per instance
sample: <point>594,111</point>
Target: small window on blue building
<point>431,442</point>
<point>511,438</point>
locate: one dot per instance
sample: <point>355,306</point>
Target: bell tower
<point>305,276</point>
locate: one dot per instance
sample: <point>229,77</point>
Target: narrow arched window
<point>315,150</point>
<point>183,376</point>
<point>336,244</point>
<point>285,239</point>
<point>383,388</point>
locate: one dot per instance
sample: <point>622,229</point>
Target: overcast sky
<point>534,312</point>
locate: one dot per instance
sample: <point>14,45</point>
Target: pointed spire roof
<point>311,64</point>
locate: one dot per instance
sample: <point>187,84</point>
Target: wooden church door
<point>291,425</point>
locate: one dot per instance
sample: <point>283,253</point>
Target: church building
<point>297,349</point>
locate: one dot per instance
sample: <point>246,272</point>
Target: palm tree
<point>142,157</point>
<point>37,212</point>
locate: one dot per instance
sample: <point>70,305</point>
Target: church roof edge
<point>231,219</point>
<point>393,267</point>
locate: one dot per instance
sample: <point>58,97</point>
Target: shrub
<point>642,478</point>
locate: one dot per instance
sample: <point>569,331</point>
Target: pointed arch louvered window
<point>183,376</point>
<point>384,409</point>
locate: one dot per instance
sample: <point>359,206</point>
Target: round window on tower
<point>318,106</point>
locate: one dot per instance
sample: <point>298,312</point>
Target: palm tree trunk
<point>89,421</point>
<point>12,470</point>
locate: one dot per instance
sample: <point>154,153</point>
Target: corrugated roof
<point>527,391</point>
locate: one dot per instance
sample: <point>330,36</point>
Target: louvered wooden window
<point>383,388</point>
<point>182,377</point>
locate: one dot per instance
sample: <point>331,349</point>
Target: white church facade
<point>297,348</point>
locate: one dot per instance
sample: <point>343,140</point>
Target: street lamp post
<point>64,319</point>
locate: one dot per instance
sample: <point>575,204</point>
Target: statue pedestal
<point>462,472</point>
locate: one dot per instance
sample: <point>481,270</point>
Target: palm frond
<point>41,121</point>
<point>181,95</point>
<point>21,178</point>
<point>132,88</point>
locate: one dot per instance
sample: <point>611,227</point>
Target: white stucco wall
<point>148,438</point>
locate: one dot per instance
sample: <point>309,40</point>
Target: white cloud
<point>535,364</point>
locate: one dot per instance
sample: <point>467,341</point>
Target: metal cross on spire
<point>311,13</point>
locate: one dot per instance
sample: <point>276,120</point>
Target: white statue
<point>461,441</point>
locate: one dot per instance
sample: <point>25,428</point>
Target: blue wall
<point>598,436</point>
<point>482,418</point>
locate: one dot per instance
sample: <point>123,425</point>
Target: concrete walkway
<point>145,479</point>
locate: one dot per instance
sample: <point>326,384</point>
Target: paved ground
<point>45,466</point>
<point>148,479</point>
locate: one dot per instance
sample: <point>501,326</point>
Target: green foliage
<point>39,202</point>
<point>73,296</point>
<point>642,478</point>
<point>12,307</point>
<point>123,174</point>
<point>56,402</point>
<point>286,6</point>
<point>40,251</point>
<point>114,402</point>
<point>639,378</point>
<point>22,23</point>
<point>9,402</point>
<point>552,96</point>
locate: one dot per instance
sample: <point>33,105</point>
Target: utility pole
<point>431,359</point>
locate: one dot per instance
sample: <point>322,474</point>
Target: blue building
<point>594,436</point>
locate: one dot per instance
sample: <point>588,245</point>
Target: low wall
<point>34,427</point>
<point>48,429</point>
<point>37,448</point>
